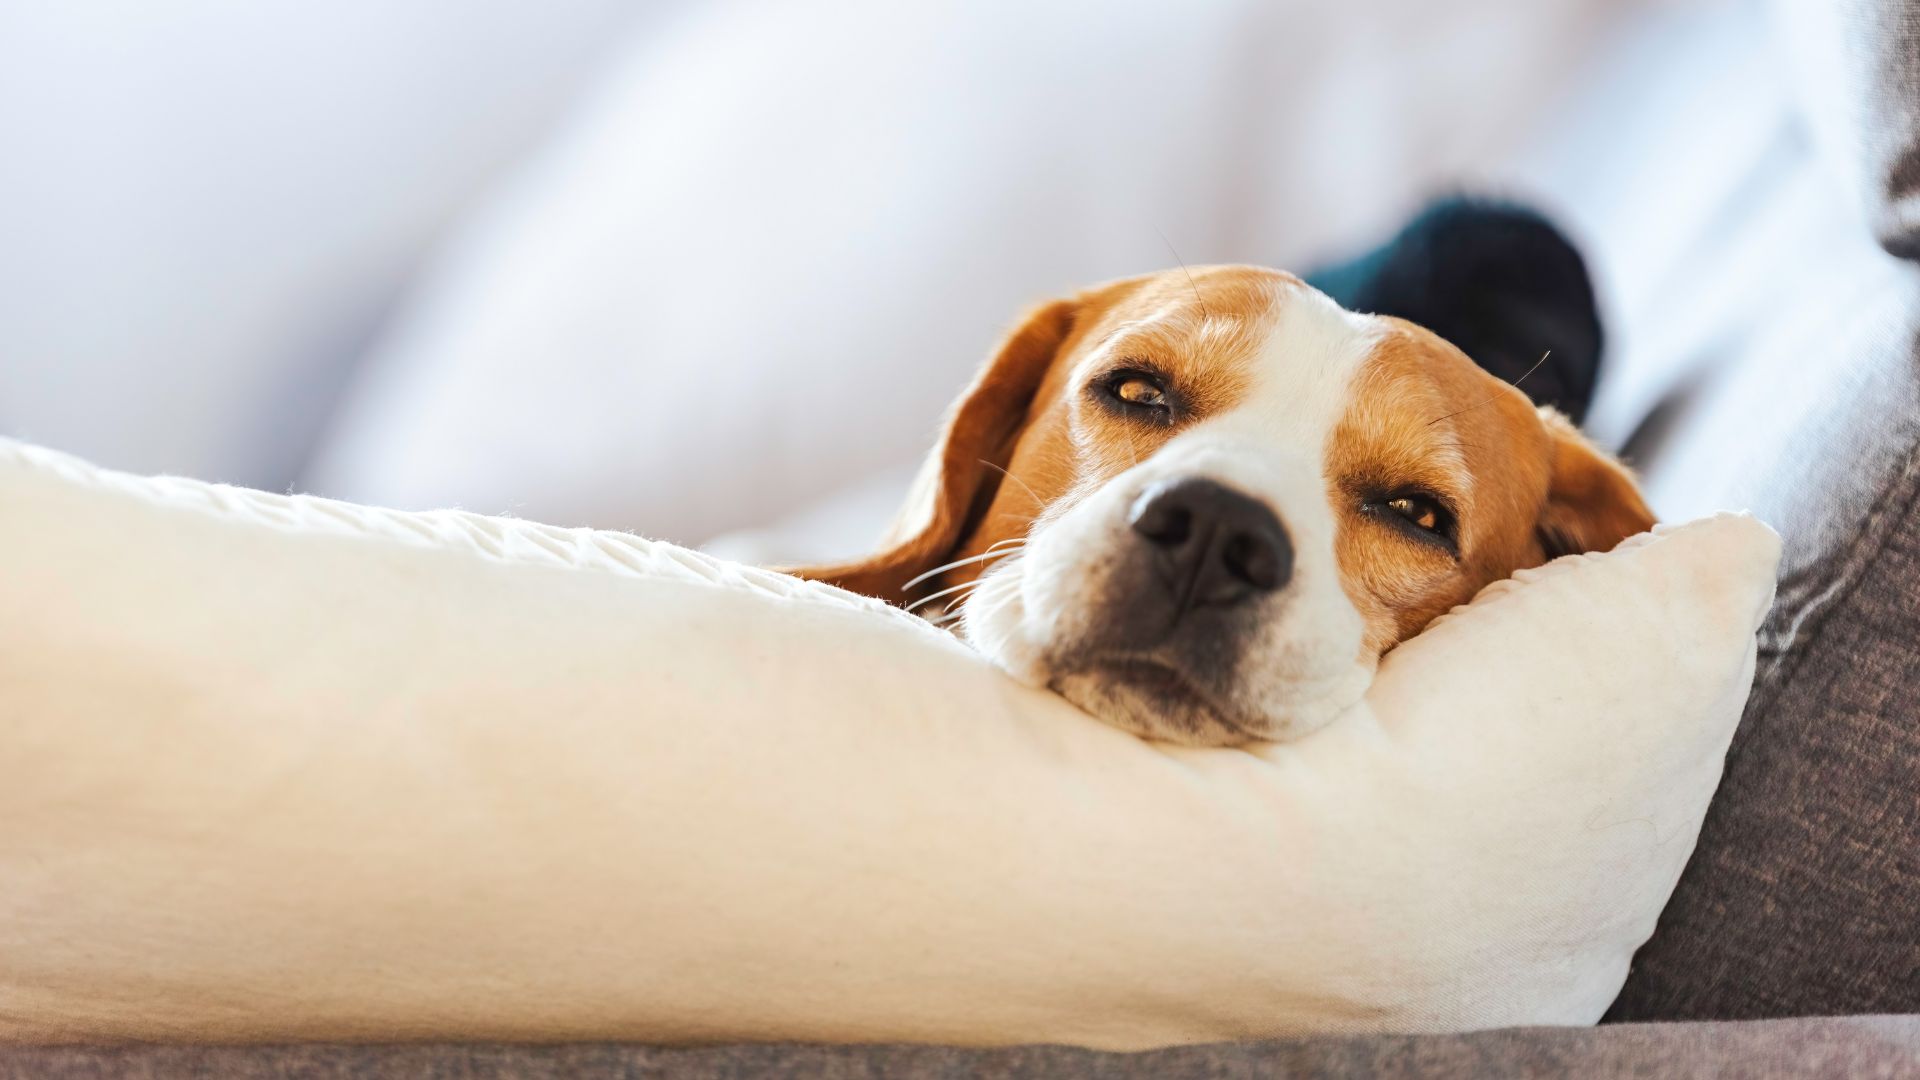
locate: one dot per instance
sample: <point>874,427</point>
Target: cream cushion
<point>284,768</point>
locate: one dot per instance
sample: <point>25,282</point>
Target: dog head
<point>1202,506</point>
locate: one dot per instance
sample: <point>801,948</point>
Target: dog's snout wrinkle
<point>1214,546</point>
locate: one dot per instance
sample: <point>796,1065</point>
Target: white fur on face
<point>1295,659</point>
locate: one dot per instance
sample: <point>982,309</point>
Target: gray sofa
<point>1792,944</point>
<point>1856,1046</point>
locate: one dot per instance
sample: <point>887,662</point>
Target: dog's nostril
<point>1163,521</point>
<point>1254,560</point>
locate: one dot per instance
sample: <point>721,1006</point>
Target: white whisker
<point>1032,494</point>
<point>990,553</point>
<point>930,597</point>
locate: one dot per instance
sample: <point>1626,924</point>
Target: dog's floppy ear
<point>959,479</point>
<point>1592,501</point>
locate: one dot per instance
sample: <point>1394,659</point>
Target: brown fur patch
<point>1423,418</point>
<point>1524,486</point>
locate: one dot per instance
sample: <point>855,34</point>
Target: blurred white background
<point>687,268</point>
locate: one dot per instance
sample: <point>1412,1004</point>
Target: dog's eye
<point>1418,509</point>
<point>1136,393</point>
<point>1419,517</point>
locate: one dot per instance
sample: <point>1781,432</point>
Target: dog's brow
<point>1171,327</point>
<point>1153,322</point>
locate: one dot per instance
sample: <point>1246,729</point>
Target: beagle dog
<point>1202,505</point>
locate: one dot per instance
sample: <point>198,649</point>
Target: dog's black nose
<point>1213,545</point>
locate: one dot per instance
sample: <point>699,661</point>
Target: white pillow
<point>282,768</point>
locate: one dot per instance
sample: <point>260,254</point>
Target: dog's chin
<point>1212,696</point>
<point>1156,700</point>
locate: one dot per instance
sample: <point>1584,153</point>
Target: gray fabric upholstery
<point>1845,1047</point>
<point>1803,896</point>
